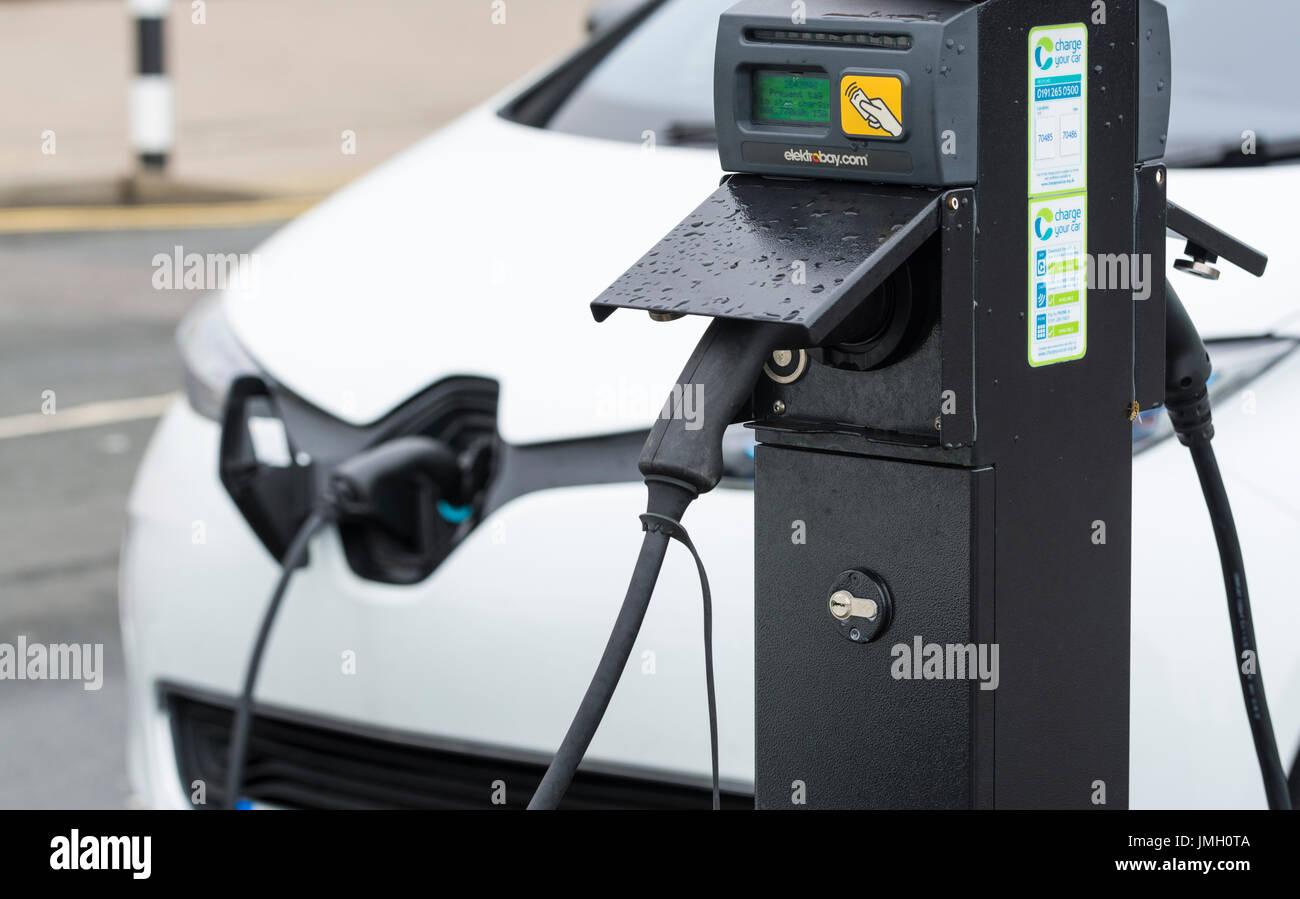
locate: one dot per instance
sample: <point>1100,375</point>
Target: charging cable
<point>1187,399</point>
<point>674,530</point>
<point>348,494</point>
<point>678,464</point>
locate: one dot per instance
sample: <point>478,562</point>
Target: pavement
<point>264,90</point>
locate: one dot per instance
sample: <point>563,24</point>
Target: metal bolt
<point>855,634</point>
<point>954,204</point>
<point>1198,267</point>
<point>786,366</point>
<point>779,407</point>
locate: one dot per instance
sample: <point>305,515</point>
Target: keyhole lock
<point>860,606</point>
<point>844,605</point>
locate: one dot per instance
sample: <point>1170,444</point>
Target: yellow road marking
<point>26,220</point>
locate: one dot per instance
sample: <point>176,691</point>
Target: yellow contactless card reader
<point>871,105</point>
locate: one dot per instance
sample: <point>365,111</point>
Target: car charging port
<point>407,490</point>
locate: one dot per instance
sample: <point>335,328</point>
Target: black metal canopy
<point>793,252</point>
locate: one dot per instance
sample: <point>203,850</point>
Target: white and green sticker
<point>1058,194</point>
<point>1058,109</point>
<point>1058,294</point>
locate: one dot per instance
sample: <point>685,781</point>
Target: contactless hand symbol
<point>875,111</point>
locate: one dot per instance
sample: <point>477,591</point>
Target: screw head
<point>779,407</point>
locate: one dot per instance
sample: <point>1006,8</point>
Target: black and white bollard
<point>152,126</point>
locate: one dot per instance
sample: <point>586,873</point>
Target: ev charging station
<point>900,273</point>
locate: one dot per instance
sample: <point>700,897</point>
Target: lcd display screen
<point>792,98</point>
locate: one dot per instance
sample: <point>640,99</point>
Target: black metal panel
<point>983,624</point>
<point>903,399</point>
<point>1149,314</point>
<point>957,291</point>
<point>736,255</point>
<point>830,713</point>
<point>1058,436</point>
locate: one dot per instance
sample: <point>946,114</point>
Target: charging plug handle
<point>355,481</point>
<point>722,372</point>
<point>1187,374</point>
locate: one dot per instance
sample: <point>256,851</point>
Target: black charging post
<point>956,213</point>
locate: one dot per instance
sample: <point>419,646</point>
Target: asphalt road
<point>79,316</point>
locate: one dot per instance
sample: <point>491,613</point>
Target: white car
<point>447,293</point>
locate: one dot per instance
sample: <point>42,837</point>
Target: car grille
<point>294,762</point>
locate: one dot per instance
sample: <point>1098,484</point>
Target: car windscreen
<point>658,80</point>
<point>1234,87</point>
<point>1230,84</point>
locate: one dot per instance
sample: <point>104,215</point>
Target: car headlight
<point>1236,363</point>
<point>212,357</point>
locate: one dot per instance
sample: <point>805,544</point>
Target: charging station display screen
<point>792,98</point>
